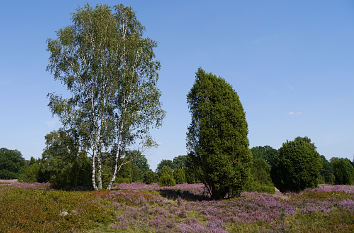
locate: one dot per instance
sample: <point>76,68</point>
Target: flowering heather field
<point>183,208</point>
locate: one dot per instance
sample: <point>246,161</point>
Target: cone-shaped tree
<point>217,135</point>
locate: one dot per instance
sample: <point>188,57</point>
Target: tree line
<point>66,170</point>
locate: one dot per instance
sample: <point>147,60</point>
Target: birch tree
<point>110,71</point>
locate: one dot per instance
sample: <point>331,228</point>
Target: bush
<point>297,166</point>
<point>167,181</point>
<point>217,135</point>
<point>259,179</point>
<point>260,171</point>
<point>166,177</point>
<point>72,175</point>
<point>62,164</point>
<point>254,186</point>
<point>179,176</point>
<point>150,177</point>
<point>343,171</point>
<point>30,174</point>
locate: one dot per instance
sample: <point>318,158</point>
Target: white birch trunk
<point>99,173</point>
<point>116,161</point>
<point>94,171</point>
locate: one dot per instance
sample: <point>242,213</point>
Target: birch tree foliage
<point>110,71</point>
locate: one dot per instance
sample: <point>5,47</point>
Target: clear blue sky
<point>291,62</point>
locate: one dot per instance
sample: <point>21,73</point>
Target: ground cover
<point>181,208</point>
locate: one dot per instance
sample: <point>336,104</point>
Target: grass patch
<point>25,210</point>
<point>326,195</point>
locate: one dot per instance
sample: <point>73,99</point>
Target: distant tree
<point>139,165</point>
<point>164,162</point>
<point>166,177</point>
<point>179,176</point>
<point>265,152</point>
<point>192,170</point>
<point>30,173</point>
<point>125,174</point>
<point>32,161</point>
<point>217,135</point>
<point>297,166</point>
<point>179,161</point>
<point>327,171</point>
<point>150,177</point>
<point>343,171</point>
<point>110,70</point>
<point>11,163</point>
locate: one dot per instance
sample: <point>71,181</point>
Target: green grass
<point>26,210</point>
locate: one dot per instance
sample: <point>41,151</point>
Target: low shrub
<point>150,177</point>
<point>30,174</point>
<point>258,187</point>
<point>167,180</point>
<point>166,177</point>
<point>179,176</point>
<point>120,180</point>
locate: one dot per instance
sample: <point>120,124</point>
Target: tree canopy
<point>110,70</point>
<point>11,163</point>
<point>163,163</point>
<point>343,171</point>
<point>297,166</point>
<point>265,152</point>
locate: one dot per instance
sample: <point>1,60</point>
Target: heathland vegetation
<point>89,178</point>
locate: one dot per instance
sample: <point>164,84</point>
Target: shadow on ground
<point>185,195</point>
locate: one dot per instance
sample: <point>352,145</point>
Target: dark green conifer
<point>217,135</point>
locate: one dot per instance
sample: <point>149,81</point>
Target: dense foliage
<point>31,173</point>
<point>192,170</point>
<point>260,179</point>
<point>63,164</point>
<point>297,166</point>
<point>343,171</point>
<point>179,176</point>
<point>182,170</point>
<point>11,163</point>
<point>265,152</point>
<point>217,135</point>
<point>139,165</point>
<point>179,161</point>
<point>163,163</point>
<point>166,177</point>
<point>327,176</point>
<point>150,177</point>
